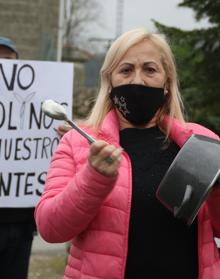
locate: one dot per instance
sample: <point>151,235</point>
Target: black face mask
<point>137,103</point>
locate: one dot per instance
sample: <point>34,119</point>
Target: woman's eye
<point>150,70</point>
<point>126,71</point>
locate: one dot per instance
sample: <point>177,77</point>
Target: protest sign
<point>27,137</point>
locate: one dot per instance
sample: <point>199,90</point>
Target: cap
<point>8,43</point>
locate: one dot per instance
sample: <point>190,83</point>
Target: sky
<point>139,13</point>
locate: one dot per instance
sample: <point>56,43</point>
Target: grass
<point>47,265</point>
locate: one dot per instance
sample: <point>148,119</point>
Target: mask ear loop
<point>166,86</point>
<point>110,85</point>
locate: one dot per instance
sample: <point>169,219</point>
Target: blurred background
<point>80,31</point>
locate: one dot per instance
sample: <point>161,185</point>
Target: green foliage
<point>197,55</point>
<point>204,8</point>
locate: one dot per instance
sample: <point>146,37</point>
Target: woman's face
<point>140,65</point>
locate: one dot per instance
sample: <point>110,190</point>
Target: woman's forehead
<point>144,50</point>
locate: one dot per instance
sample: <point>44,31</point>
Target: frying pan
<point>191,176</point>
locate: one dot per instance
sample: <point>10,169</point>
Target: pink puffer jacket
<point>91,210</point>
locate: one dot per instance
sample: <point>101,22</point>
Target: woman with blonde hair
<point>101,197</point>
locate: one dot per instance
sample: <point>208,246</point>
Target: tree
<point>198,60</point>
<point>79,15</point>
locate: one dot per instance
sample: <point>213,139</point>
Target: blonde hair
<point>173,105</point>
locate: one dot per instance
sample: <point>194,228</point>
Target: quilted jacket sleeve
<point>214,209</point>
<point>71,199</point>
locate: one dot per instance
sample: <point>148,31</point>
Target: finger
<point>115,158</point>
<point>106,151</point>
<point>109,154</point>
<point>97,146</point>
<point>116,154</point>
<point>102,163</point>
<point>100,152</point>
<point>58,132</point>
<point>62,129</point>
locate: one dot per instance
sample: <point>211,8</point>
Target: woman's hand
<point>63,129</point>
<point>105,158</point>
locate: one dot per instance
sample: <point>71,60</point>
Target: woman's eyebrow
<point>146,63</point>
<point>151,62</point>
<point>126,64</point>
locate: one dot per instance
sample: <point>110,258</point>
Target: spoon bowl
<point>54,110</point>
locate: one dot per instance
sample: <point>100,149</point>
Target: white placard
<point>27,137</point>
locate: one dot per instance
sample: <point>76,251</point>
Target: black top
<point>160,246</point>
<point>17,215</point>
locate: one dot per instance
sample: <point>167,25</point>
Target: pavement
<point>47,260</point>
<point>39,245</point>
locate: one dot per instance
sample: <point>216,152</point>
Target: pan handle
<point>186,198</point>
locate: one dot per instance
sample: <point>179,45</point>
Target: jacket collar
<point>110,128</point>
<point>179,132</point>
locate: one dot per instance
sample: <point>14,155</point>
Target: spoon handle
<point>83,133</point>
